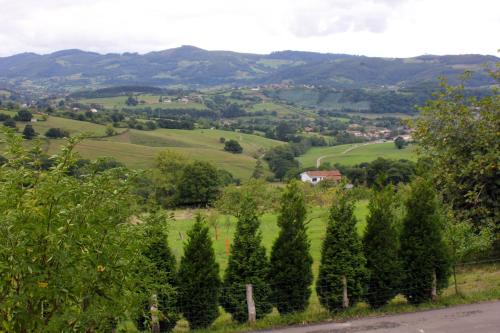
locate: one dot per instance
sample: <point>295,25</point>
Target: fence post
<point>250,304</point>
<point>155,324</point>
<point>434,286</point>
<point>345,299</point>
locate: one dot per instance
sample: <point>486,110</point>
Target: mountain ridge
<point>193,67</point>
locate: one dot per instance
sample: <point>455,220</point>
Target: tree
<point>68,253</point>
<point>56,133</point>
<point>159,268</point>
<point>110,131</point>
<point>342,261</point>
<point>233,146</point>
<point>198,184</point>
<point>459,134</point>
<point>399,142</point>
<point>10,123</point>
<point>247,264</point>
<point>291,262</point>
<point>381,248</point>
<point>23,115</point>
<point>199,281</point>
<point>426,262</point>
<point>28,132</point>
<point>222,140</point>
<point>258,171</point>
<point>131,101</point>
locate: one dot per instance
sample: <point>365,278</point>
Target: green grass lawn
<point>361,153</point>
<point>226,226</point>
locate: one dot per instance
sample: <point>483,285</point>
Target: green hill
<point>356,153</point>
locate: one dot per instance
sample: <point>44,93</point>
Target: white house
<point>315,177</point>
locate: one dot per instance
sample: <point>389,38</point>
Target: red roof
<point>334,174</point>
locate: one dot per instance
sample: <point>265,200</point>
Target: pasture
<point>138,149</point>
<point>352,154</point>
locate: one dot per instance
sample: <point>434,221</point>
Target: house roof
<point>334,174</point>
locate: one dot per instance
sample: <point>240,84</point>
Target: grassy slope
<point>362,153</point>
<point>138,149</point>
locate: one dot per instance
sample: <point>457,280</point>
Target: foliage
<point>341,256</point>
<point>264,196</point>
<point>199,281</point>
<point>291,272</point>
<point>23,115</point>
<point>247,264</point>
<point>159,269</point>
<point>423,250</point>
<point>10,123</point>
<point>258,171</point>
<point>460,136</point>
<point>393,172</point>
<point>399,142</point>
<point>28,132</point>
<point>233,146</point>
<point>56,133</point>
<point>381,248</point>
<point>198,184</point>
<point>67,254</point>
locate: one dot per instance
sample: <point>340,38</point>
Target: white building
<point>314,177</point>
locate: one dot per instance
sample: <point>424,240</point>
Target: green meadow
<point>352,154</point>
<point>226,225</point>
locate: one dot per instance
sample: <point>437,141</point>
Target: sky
<point>386,28</point>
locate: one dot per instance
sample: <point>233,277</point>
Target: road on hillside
<point>474,318</point>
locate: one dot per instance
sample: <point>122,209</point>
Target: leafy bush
<point>233,146</point>
<point>56,133</point>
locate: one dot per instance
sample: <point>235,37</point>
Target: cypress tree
<point>199,281</point>
<point>381,248</point>
<point>247,264</point>
<point>161,270</point>
<point>423,251</point>
<point>290,273</point>
<point>341,258</point>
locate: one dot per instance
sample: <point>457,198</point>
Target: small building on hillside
<point>315,177</point>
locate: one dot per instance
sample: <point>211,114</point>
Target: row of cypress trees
<point>392,258</point>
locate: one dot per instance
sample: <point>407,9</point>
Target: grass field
<point>138,149</point>
<point>226,226</point>
<point>356,153</point>
<point>72,126</point>
<point>152,101</point>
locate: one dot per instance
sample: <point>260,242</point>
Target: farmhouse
<point>315,177</point>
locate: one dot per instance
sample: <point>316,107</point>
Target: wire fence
<point>265,296</point>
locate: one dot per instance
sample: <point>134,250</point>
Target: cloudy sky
<point>392,28</point>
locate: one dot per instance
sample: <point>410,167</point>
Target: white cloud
<point>370,27</point>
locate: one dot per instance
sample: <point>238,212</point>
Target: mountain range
<point>192,67</point>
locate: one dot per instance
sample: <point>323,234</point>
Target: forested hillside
<point>193,67</point>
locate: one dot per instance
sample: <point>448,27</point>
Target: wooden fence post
<point>250,304</point>
<point>155,324</point>
<point>345,299</point>
<point>434,286</point>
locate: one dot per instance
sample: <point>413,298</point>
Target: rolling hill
<point>189,66</point>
